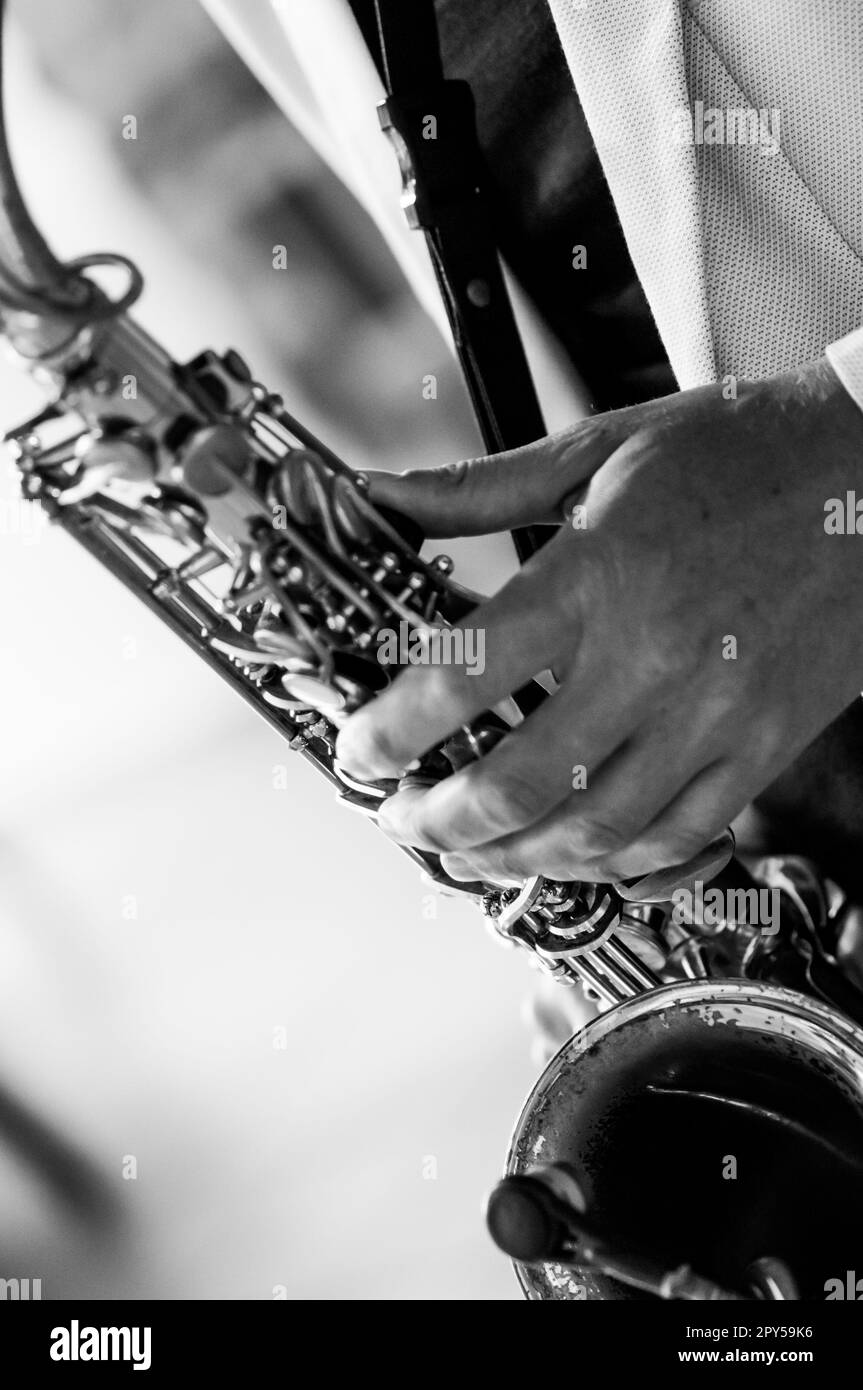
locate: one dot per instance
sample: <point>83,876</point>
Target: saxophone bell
<point>701,1141</point>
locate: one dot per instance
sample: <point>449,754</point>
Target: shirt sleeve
<point>846,359</point>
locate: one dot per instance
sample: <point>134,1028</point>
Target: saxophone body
<point>260,549</point>
<point>718,1042</point>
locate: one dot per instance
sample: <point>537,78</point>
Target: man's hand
<point>702,624</point>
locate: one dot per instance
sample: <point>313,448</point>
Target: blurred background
<point>245,1052</point>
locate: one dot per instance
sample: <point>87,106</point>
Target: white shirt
<point>731,135</point>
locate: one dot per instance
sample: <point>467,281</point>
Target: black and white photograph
<point>474,388</point>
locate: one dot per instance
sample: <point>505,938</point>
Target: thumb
<point>523,487</point>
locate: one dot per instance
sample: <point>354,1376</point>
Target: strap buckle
<point>435,141</point>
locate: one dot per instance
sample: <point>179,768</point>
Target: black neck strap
<point>431,122</point>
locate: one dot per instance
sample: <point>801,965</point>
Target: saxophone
<point>721,1084</point>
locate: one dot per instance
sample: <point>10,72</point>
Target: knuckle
<point>458,867</point>
<point>673,654</point>
<point>510,864</point>
<point>441,688</point>
<point>603,430</point>
<point>382,747</point>
<point>558,865</point>
<point>768,743</point>
<point>507,801</point>
<point>674,845</point>
<point>455,476</point>
<point>378,744</point>
<point>594,837</point>
<point>365,744</point>
<point>491,864</point>
<point>426,830</point>
<point>434,841</point>
<point>566,602</point>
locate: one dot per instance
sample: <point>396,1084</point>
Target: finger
<point>705,807</point>
<point>489,864</point>
<point>519,629</point>
<point>622,780</point>
<point>611,836</point>
<point>518,488</point>
<point>568,741</point>
<point>595,840</point>
<point>700,812</point>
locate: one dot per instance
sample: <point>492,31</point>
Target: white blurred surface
<point>164,910</point>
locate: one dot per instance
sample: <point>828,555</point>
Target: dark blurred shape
<point>69,1176</point>
<point>227,170</point>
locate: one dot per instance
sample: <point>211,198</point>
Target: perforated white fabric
<point>752,260</point>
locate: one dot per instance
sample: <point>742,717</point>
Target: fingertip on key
<point>387,822</point>
<point>359,751</point>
